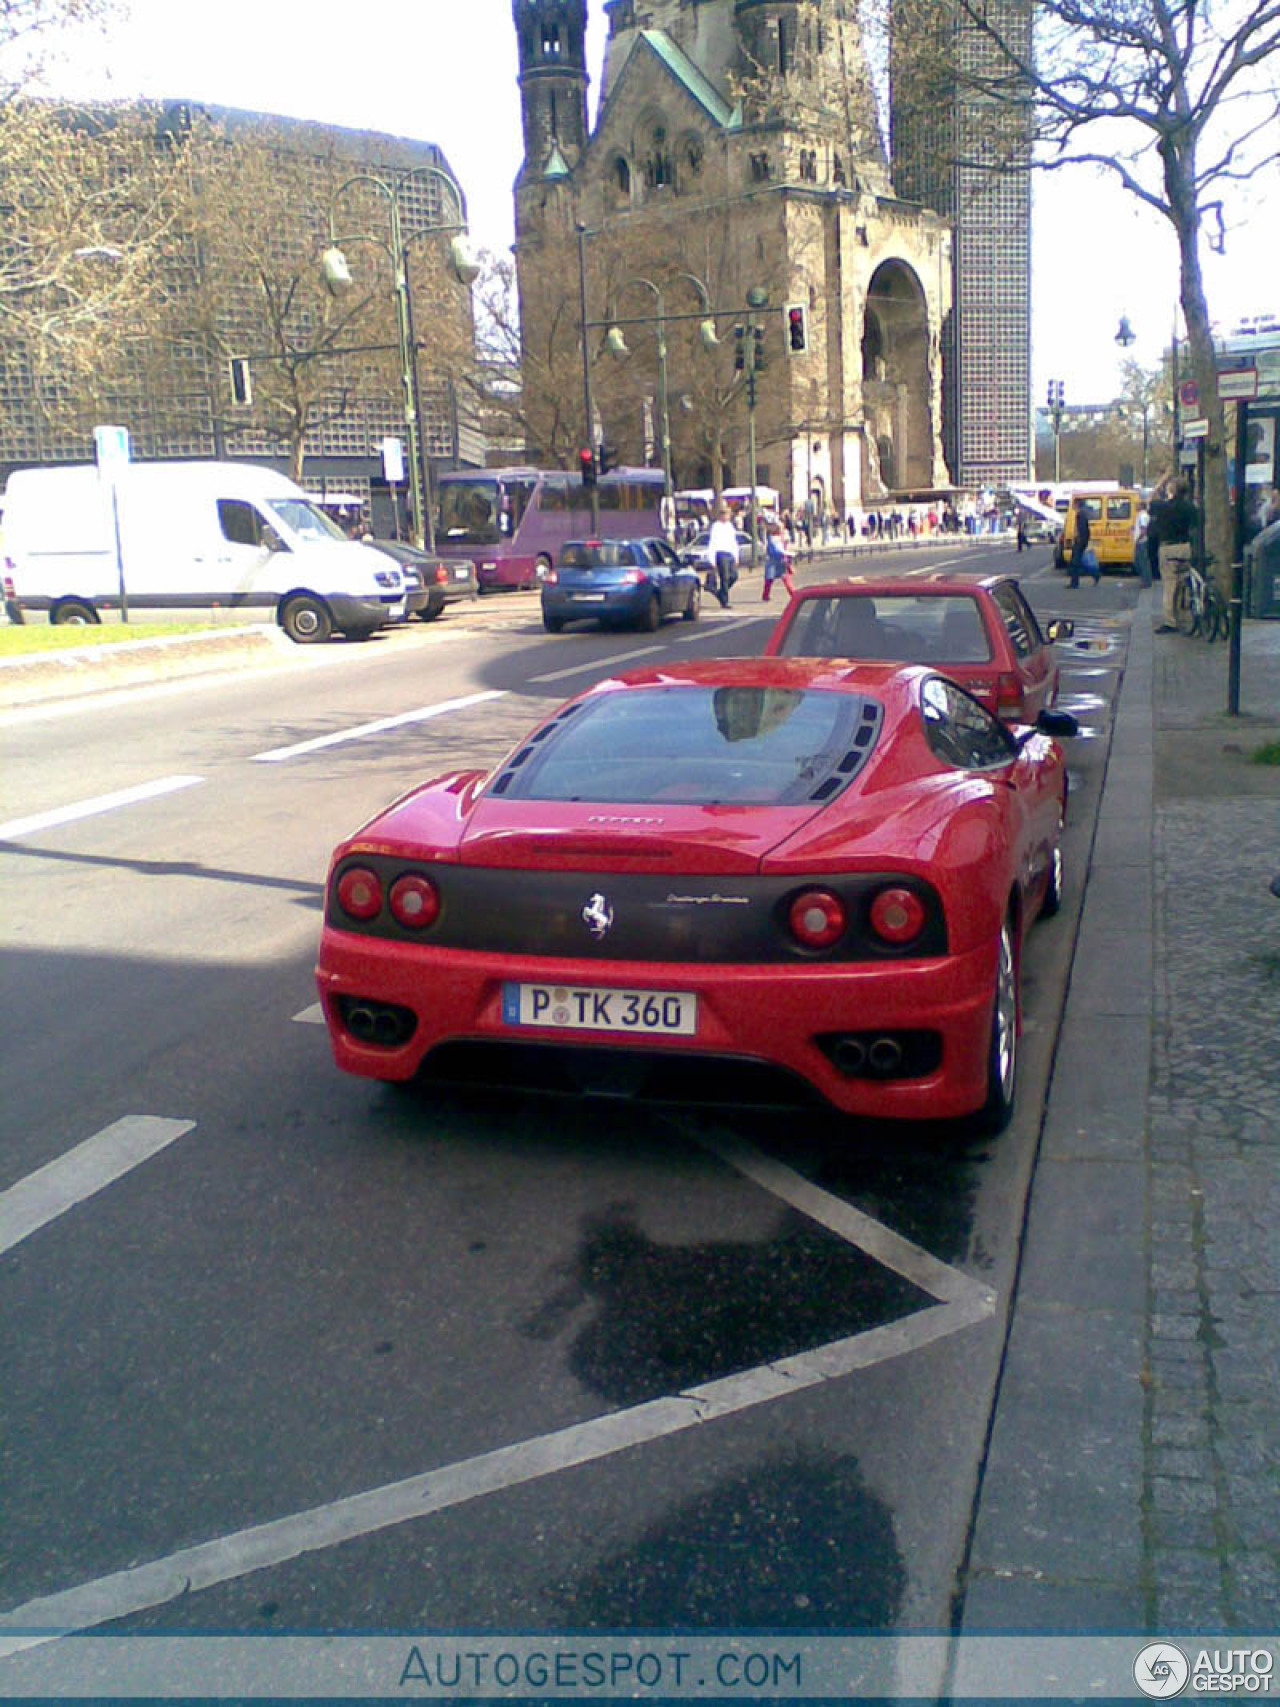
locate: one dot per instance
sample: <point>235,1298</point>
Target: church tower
<point>552,46</point>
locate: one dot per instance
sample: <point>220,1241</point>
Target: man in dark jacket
<point>1173,520</point>
<point>1079,545</point>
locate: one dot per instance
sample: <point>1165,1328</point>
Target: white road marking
<point>99,803</point>
<point>723,627</point>
<point>126,1593</point>
<point>422,715</point>
<point>314,1015</point>
<point>602,665</point>
<point>58,1186</point>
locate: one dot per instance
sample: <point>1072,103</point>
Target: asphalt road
<point>477,1311</point>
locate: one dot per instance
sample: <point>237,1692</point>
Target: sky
<point>444,71</point>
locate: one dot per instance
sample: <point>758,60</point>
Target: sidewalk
<point>1133,1473</point>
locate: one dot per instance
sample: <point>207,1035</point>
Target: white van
<point>191,535</point>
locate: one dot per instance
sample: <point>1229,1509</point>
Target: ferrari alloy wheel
<point>1052,902</point>
<point>1002,1061</point>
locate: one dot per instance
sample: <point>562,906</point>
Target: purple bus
<point>511,522</point>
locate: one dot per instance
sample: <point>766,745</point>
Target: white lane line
<point>58,1186</point>
<point>602,665</point>
<point>314,1015</point>
<point>422,715</point>
<point>99,803</point>
<point>128,1592</point>
<point>722,628</point>
<point>949,1285</point>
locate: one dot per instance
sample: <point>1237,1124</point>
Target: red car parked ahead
<point>980,632</point>
<point>740,879</point>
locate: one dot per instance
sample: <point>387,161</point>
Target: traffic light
<point>797,327</point>
<point>739,348</point>
<point>608,457</point>
<point>587,464</point>
<point>757,359</point>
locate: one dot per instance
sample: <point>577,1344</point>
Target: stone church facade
<point>736,150</point>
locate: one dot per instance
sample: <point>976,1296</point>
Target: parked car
<point>442,580</point>
<point>981,632</point>
<point>1113,528</point>
<point>743,878</point>
<point>619,582</point>
<point>697,552</point>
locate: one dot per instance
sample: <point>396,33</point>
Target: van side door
<point>244,551</point>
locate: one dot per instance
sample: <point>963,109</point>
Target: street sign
<point>1188,394</point>
<point>1197,429</point>
<point>392,461</point>
<point>1241,383</point>
<point>111,447</point>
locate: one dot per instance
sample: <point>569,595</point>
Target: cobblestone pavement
<point>1213,1344</point>
<point>1158,1507</point>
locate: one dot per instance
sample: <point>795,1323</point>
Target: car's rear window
<point>608,555</point>
<point>909,629</point>
<point>701,745</point>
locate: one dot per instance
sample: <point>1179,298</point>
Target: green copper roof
<point>686,73</point>
<point>556,165</point>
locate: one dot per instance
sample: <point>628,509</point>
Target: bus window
<point>469,512</point>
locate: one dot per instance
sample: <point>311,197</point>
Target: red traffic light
<point>587,464</point>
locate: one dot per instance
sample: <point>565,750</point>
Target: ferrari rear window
<point>928,628</point>
<point>703,745</point>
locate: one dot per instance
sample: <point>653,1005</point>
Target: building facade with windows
<point>735,173</point>
<point>249,340</point>
<point>970,158</point>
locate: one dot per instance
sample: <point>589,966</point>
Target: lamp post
<point>757,298</point>
<point>465,269</point>
<point>1056,407</point>
<point>617,345</point>
<point>588,406</point>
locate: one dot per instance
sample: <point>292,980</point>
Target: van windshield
<point>303,520</point>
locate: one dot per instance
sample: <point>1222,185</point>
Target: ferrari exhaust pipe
<point>362,1023</point>
<point>885,1056</point>
<point>850,1055</point>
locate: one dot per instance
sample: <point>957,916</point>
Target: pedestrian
<point>777,561</point>
<point>1141,556</point>
<point>1079,545</point>
<point>1022,530</point>
<point>1175,517</point>
<point>722,548</point>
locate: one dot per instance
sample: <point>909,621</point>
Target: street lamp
<point>616,344</point>
<point>1056,407</point>
<point>465,269</point>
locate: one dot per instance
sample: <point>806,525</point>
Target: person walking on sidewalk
<point>1174,518</point>
<point>1079,545</point>
<point>722,548</point>
<point>777,561</point>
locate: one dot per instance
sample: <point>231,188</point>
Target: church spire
<point>551,38</point>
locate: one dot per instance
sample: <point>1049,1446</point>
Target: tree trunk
<point>1179,176</point>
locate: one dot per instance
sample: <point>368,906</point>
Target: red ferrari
<point>742,879</point>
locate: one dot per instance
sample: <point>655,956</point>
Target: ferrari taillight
<point>1008,694</point>
<point>817,918</point>
<point>360,892</point>
<point>897,916</point>
<point>414,901</point>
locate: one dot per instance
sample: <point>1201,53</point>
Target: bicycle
<point>1198,605</point>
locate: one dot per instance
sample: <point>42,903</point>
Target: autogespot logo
<point>1161,1670</point>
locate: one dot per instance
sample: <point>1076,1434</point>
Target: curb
<point>49,676</point>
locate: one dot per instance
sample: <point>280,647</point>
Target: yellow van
<point>1113,527</point>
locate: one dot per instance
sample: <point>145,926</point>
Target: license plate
<point>565,1007</point>
<point>587,598</point>
<point>462,574</point>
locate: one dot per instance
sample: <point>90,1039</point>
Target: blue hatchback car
<point>620,582</point>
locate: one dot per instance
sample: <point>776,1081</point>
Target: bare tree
<point>1177,99</point>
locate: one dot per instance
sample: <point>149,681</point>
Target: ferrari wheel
<point>1052,902</point>
<point>1002,1058</point>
